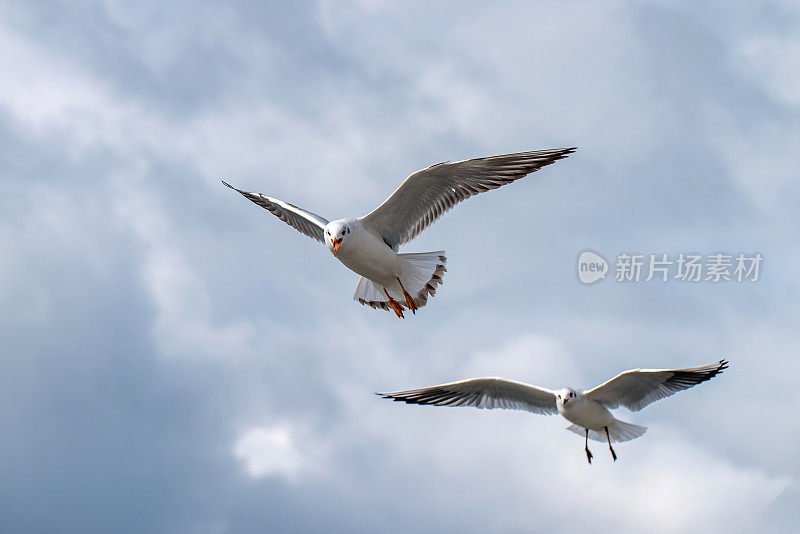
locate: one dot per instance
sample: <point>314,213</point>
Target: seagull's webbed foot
<point>396,306</point>
<point>410,304</point>
<point>613,454</point>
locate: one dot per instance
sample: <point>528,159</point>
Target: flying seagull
<point>369,245</point>
<point>587,410</point>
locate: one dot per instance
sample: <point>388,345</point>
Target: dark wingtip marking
<point>565,152</point>
<point>690,379</point>
<point>234,188</point>
<point>245,193</point>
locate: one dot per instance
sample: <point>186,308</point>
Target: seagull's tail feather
<point>619,431</point>
<point>369,294</point>
<point>421,273</point>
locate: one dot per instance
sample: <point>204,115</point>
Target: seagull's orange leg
<point>409,301</point>
<point>396,306</point>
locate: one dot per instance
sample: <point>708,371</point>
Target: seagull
<point>588,411</point>
<point>369,245</point>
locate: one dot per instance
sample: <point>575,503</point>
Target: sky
<point>177,360</point>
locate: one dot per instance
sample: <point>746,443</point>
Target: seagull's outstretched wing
<point>427,194</point>
<point>482,393</point>
<point>306,222</point>
<point>637,388</point>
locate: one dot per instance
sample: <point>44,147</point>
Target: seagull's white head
<point>335,234</point>
<point>565,396</point>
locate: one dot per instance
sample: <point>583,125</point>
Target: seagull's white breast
<point>586,413</point>
<point>367,254</point>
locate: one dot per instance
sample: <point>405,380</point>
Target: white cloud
<point>535,84</point>
<point>771,62</point>
<point>273,451</point>
<point>183,327</point>
<point>52,99</point>
<point>533,358</point>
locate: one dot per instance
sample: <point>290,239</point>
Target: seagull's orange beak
<point>336,243</point>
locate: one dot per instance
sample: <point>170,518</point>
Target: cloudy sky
<point>175,359</point>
